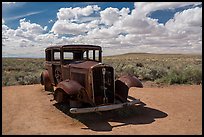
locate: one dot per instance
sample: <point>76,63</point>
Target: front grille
<point>103,85</point>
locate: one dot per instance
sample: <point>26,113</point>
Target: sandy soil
<point>168,110</point>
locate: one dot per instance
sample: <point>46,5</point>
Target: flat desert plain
<point>175,109</point>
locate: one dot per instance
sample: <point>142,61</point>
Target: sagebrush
<point>159,68</point>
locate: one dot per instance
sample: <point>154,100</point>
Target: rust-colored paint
<point>70,87</point>
<point>131,81</point>
<point>123,84</point>
<point>84,65</point>
<point>45,80</point>
<point>121,90</point>
<point>82,78</point>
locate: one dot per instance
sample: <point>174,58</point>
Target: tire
<point>48,88</point>
<point>60,96</point>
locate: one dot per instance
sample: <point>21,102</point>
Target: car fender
<point>70,87</point>
<point>45,77</point>
<point>67,90</point>
<point>131,81</point>
<point>123,84</point>
<point>45,80</point>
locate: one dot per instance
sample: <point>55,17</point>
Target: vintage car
<point>81,80</point>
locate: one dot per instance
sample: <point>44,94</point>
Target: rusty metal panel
<point>131,81</point>
<point>82,79</point>
<point>65,72</point>
<point>70,87</point>
<point>75,47</point>
<point>49,68</point>
<point>45,80</point>
<point>84,65</point>
<point>121,90</point>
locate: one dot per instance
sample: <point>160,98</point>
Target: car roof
<point>77,47</point>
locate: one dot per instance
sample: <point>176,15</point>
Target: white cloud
<point>116,30</point>
<point>111,15</point>
<point>188,20</point>
<point>24,15</point>
<point>186,28</point>
<point>103,33</point>
<point>29,39</point>
<point>31,28</point>
<point>146,7</point>
<point>74,13</point>
<point>67,18</point>
<point>7,3</point>
<point>67,27</point>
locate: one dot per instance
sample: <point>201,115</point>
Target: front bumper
<point>104,108</point>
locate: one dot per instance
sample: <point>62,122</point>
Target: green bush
<point>21,71</point>
<point>170,69</point>
<point>189,75</point>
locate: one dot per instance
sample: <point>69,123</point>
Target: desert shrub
<point>154,73</point>
<point>21,71</point>
<point>192,75</point>
<point>28,79</point>
<point>189,75</point>
<point>128,69</point>
<point>170,69</point>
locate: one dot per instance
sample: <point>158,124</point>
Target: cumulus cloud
<point>71,13</point>
<point>66,27</point>
<point>32,28</point>
<point>187,20</point>
<point>143,8</point>
<point>68,20</point>
<point>187,25</point>
<point>116,30</point>
<point>29,39</point>
<point>111,15</point>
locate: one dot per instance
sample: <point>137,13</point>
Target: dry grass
<point>159,68</point>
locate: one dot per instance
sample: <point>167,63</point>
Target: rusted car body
<point>83,81</point>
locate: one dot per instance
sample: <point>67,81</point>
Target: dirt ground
<point>168,110</point>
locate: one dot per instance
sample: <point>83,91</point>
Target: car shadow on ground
<point>101,121</point>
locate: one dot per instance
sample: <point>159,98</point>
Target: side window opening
<point>85,55</point>
<point>90,56</point>
<point>73,55</point>
<point>93,55</point>
<point>68,55</point>
<point>97,55</point>
<point>56,55</point>
<point>48,55</point>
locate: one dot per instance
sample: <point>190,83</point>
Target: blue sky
<point>42,12</point>
<point>119,27</point>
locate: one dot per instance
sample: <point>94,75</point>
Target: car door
<point>56,66</point>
